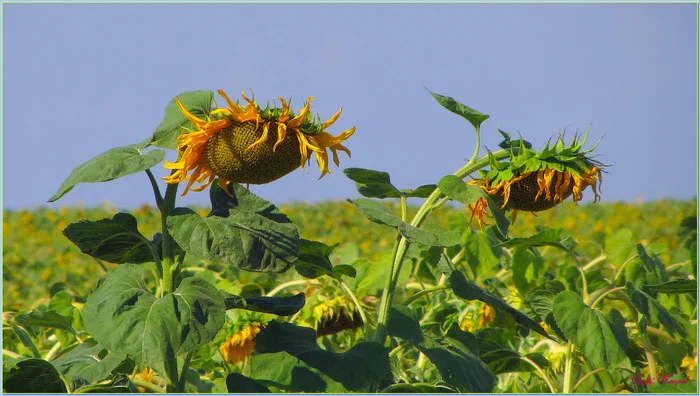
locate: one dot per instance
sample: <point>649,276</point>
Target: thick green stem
<point>401,247</point>
<point>168,260</point>
<point>183,374</point>
<point>567,367</point>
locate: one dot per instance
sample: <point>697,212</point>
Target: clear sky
<point>81,79</point>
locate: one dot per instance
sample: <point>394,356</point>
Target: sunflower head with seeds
<point>534,181</point>
<point>247,144</point>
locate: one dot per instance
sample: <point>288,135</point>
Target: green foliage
<point>589,298</point>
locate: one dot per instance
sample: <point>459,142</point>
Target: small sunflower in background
<point>239,342</point>
<point>534,181</point>
<point>477,315</point>
<point>250,145</point>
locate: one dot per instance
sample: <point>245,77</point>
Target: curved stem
<point>585,377</point>
<point>539,370</point>
<point>423,293</point>
<point>168,259</point>
<point>156,189</point>
<point>297,282</point>
<point>401,246</point>
<point>354,299</point>
<point>151,387</point>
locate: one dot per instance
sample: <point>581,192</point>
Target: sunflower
<point>239,344</point>
<point>535,181</point>
<point>331,315</point>
<point>251,145</point>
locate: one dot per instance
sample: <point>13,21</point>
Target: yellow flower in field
<point>487,315</point>
<point>690,365</point>
<point>247,144</point>
<point>535,181</point>
<point>146,375</point>
<point>239,346</point>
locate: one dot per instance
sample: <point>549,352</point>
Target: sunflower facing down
<point>247,144</point>
<point>535,181</point>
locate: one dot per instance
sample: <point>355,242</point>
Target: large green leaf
<point>619,246</point>
<point>287,373</point>
<point>468,290</point>
<point>125,317</point>
<point>24,375</point>
<point>380,214</point>
<point>92,363</point>
<point>115,240</point>
<point>458,368</point>
<point>199,103</point>
<point>480,249</point>
<point>473,116</point>
<point>601,338</point>
<point>110,165</point>
<point>402,323</point>
<point>247,240</point>
<point>526,267</point>
<point>653,310</point>
<point>363,364</point>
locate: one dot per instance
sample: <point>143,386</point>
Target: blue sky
<point>81,79</point>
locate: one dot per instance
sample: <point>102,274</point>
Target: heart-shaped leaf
<point>125,317</point>
<point>115,240</point>
<point>112,164</point>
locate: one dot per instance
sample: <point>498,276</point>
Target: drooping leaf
<point>402,323</point>
<point>247,240</point>
<point>372,184</point>
<point>24,375</point>
<point>541,298</point>
<point>677,286</point>
<point>92,363</point>
<point>115,240</point>
<point>601,338</point>
<point>473,116</point>
<point>468,290</point>
<point>314,259</point>
<point>379,214</point>
<point>653,310</point>
<point>363,364</point>
<point>125,317</point>
<point>199,103</point>
<point>112,164</point>
<point>546,237</point>
<point>282,306</point>
<point>656,271</point>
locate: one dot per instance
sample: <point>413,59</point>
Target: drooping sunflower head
<point>331,314</point>
<point>239,342</point>
<point>535,181</point>
<point>252,145</point>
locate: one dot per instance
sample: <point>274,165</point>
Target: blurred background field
<point>38,260</point>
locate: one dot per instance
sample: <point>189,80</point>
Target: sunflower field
<point>497,278</point>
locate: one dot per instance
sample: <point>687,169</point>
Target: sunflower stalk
<point>401,246</point>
